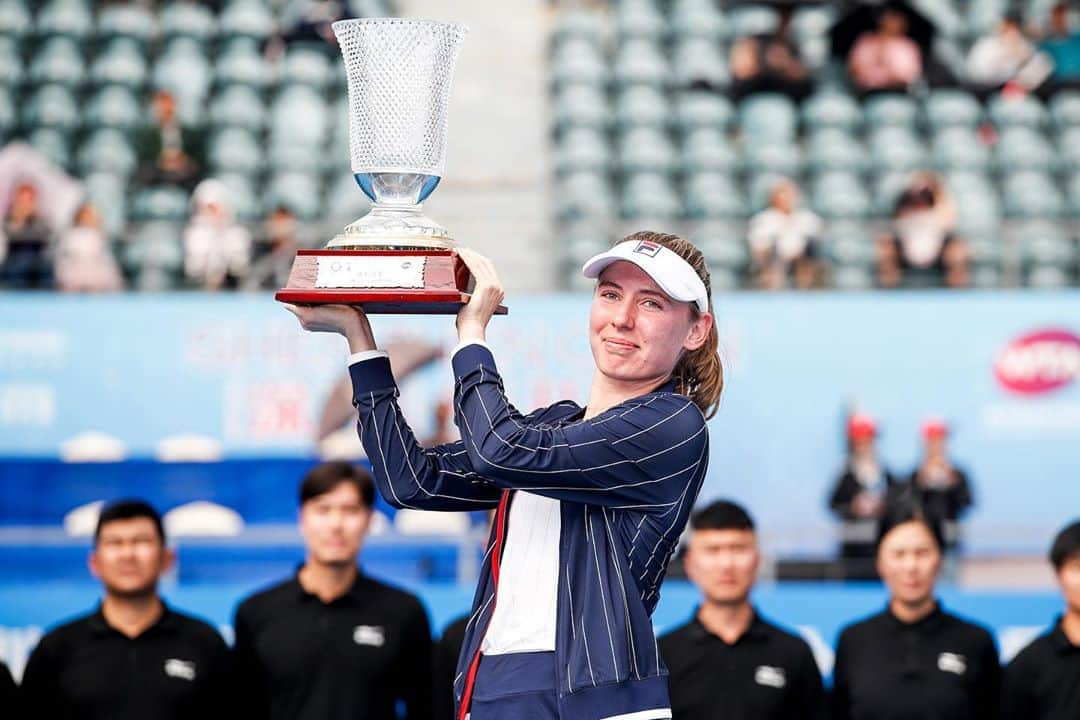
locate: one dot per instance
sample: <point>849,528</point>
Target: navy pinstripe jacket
<point>627,480</point>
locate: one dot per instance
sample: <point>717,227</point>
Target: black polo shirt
<point>357,657</point>
<point>938,668</point>
<point>767,673</point>
<point>8,696</point>
<point>1043,680</point>
<point>447,651</point>
<point>177,668</point>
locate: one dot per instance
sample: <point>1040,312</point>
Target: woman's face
<point>636,332</point>
<point>908,562</point>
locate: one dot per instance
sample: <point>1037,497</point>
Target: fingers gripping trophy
<point>394,259</point>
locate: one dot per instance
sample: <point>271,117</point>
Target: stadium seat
<point>113,106</point>
<point>165,203</point>
<point>247,18</point>
<point>1047,277</point>
<point>951,107</point>
<point>768,117</point>
<point>582,23</point>
<point>578,60</point>
<point>752,19</point>
<point>837,195</point>
<point>1074,195</point>
<point>641,61</point>
<point>698,60</point>
<point>698,18</point>
<point>891,110</point>
<point>831,110</point>
<point>59,62</point>
<point>15,18</point>
<point>810,25</point>
<point>983,16</point>
<point>344,200</point>
<point>121,63</point>
<point>107,150</point>
<point>11,64</point>
<point>235,150</point>
<point>977,205</point>
<point>290,157</point>
<point>645,149</point>
<point>1045,243</point>
<point>887,189</point>
<point>183,69</point>
<point>1025,110</point>
<point>759,187</point>
<point>639,19</point>
<point>834,149</point>
<point>128,20</point>
<point>1065,109</point>
<point>299,115</point>
<point>187,19</point>
<point>245,203</point>
<point>108,193</point>
<point>156,245</point>
<point>582,149</point>
<point>782,157</point>
<point>8,116</point>
<point>897,148</point>
<point>584,195</point>
<point>51,106</point>
<point>852,278</point>
<point>299,191</point>
<point>1030,194</point>
<point>307,66</point>
<point>959,148</point>
<point>581,240</point>
<point>53,144</point>
<point>702,109</point>
<point>581,105</point>
<point>641,106</point>
<point>69,18</point>
<point>987,277</point>
<point>849,245</point>
<point>707,149</point>
<point>240,63</point>
<point>238,106</point>
<point>649,196</point>
<point>1023,148</point>
<point>725,251</point>
<point>713,196</point>
<point>1069,148</point>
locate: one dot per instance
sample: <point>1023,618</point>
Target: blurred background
<point>893,249</point>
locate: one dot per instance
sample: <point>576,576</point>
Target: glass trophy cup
<point>394,259</point>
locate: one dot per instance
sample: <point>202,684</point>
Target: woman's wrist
<point>360,339</point>
<point>471,333</point>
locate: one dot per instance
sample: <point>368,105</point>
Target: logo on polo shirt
<point>183,669</point>
<point>952,662</point>
<point>647,248</point>
<point>371,635</point>
<point>770,676</point>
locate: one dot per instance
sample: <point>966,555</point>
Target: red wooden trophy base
<point>445,279</point>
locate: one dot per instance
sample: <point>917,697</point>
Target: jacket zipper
<point>496,556</point>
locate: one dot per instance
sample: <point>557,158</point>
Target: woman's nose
<point>623,316</point>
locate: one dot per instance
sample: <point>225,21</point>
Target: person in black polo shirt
<point>914,661</point>
<point>134,657</point>
<point>330,642</point>
<point>1043,680</point>
<point>8,694</point>
<point>728,662</point>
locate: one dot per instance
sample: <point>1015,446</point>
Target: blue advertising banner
<point>1001,368</point>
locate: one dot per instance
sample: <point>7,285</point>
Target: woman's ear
<point>699,332</point>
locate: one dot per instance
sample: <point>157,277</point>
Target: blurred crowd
<point>333,642</point>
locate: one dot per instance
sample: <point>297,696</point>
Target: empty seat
<point>108,192</point>
<point>768,116</point>
<point>59,61</point>
<point>130,20</point>
<point>584,195</point>
<point>1065,109</point>
<point>959,148</point>
<point>307,66</point>
<point>650,196</point>
<point>698,60</point>
<point>950,107</point>
<point>639,19</point>
<point>782,157</point>
<point>298,191</point>
<point>108,150</point>
<point>714,196</point>
<point>344,200</point>
<point>897,149</point>
<point>299,115</point>
<point>1023,148</point>
<point>187,19</point>
<point>641,62</point>
<point>53,144</point>
<point>753,20</point>
<point>581,105</point>
<point>891,110</point>
<point>1024,110</point>
<point>582,149</point>
<point>834,149</point>
<point>641,105</point>
<point>121,63</point>
<point>241,63</point>
<point>1069,148</point>
<point>155,244</point>
<point>165,203</point>
<point>11,64</point>
<point>702,109</point>
<point>642,149</point>
<point>8,116</point>
<point>70,18</point>
<point>291,157</point>
<point>1030,194</point>
<point>1045,243</point>
<point>15,18</point>
<point>51,106</point>
<point>840,195</point>
<point>698,18</point>
<point>580,23</point>
<point>245,203</point>
<point>248,18</point>
<point>831,110</point>
<point>707,149</point>
<point>235,150</point>
<point>114,106</point>
<point>578,60</point>
<point>238,106</point>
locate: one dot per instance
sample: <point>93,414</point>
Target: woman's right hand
<point>346,320</point>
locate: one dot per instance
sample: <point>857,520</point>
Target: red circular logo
<point>1039,362</point>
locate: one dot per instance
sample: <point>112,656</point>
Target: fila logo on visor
<point>183,669</point>
<point>647,248</point>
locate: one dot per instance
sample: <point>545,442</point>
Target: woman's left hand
<point>487,295</point>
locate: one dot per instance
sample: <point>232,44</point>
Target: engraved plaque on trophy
<point>394,259</point>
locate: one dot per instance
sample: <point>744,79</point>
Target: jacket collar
<point>166,623</point>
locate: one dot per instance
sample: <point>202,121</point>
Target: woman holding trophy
<point>590,500</point>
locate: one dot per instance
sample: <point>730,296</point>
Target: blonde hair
<point>698,374</point>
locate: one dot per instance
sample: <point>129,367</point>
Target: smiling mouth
<point>624,344</point>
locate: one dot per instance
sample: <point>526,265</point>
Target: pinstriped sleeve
<point>408,475</point>
<point>643,453</point>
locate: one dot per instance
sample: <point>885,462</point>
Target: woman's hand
<point>487,295</point>
<point>346,320</point>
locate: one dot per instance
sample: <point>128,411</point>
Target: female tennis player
<point>590,500</point>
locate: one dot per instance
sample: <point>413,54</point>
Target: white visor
<point>673,274</point>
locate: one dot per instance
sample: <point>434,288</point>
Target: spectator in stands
<point>860,496</point>
<point>170,153</point>
<point>1007,56</point>
<point>271,271</point>
<point>766,672</point>
<point>923,243</point>
<point>1043,680</point>
<point>784,241</point>
<point>84,260</point>
<point>770,63</point>
<point>914,661</point>
<point>25,243</point>
<point>217,249</point>
<point>885,60</point>
<point>134,657</point>
<point>331,642</point>
<point>941,486</point>
<point>1062,44</point>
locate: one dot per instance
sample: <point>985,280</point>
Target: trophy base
<point>381,281</point>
